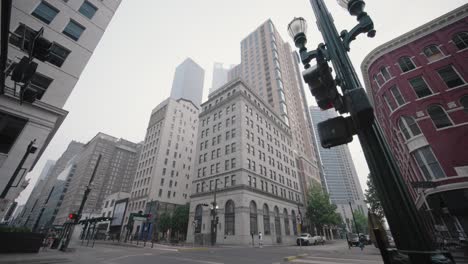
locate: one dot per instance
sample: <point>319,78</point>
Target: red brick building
<point>418,83</point>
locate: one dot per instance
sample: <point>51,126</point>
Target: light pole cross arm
<point>320,54</point>
<point>366,25</point>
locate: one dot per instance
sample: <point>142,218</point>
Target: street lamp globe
<point>297,29</point>
<point>355,7</point>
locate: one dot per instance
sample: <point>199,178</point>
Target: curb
<point>294,257</point>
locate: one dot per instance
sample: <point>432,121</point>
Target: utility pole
<point>214,213</point>
<point>80,210</point>
<point>405,223</point>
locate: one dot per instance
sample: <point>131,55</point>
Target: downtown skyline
<point>152,82</point>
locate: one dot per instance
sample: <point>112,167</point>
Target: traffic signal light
<point>24,70</point>
<point>73,216</point>
<point>41,49</point>
<point>322,84</point>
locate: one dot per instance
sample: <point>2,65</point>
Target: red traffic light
<point>72,216</point>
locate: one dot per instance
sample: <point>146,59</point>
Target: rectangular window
<point>428,163</point>
<point>45,12</point>
<point>58,54</point>
<point>420,87</point>
<point>450,77</point>
<point>397,95</point>
<point>88,9</point>
<point>73,30</point>
<point>389,103</point>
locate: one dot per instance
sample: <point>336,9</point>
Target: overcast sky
<point>132,69</point>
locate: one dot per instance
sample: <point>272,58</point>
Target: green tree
<point>373,200</point>
<point>361,222</point>
<point>180,219</point>
<point>165,222</point>
<point>320,211</point>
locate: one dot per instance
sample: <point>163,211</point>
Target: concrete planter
<point>20,242</point>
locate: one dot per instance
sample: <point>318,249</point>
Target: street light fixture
<point>410,235</point>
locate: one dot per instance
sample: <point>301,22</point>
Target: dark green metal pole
<point>401,213</point>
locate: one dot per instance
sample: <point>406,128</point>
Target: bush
<point>12,229</point>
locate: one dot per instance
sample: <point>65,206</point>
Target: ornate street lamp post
<point>410,235</point>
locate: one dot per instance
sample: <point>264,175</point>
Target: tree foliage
<point>320,211</point>
<point>373,200</point>
<point>361,222</point>
<point>180,219</point>
<point>165,222</point>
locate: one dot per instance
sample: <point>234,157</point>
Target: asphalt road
<point>333,253</point>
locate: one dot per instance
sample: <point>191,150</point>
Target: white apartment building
<point>246,150</point>
<point>166,163</point>
<point>75,28</point>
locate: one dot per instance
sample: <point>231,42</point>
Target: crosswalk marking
<point>326,260</point>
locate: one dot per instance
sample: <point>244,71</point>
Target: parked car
<point>306,239</point>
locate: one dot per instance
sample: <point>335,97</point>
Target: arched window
<point>408,127</point>
<point>253,218</point>
<point>406,64</point>
<point>266,219</point>
<point>461,40</point>
<point>286,222</point>
<point>294,222</point>
<point>229,218</point>
<point>277,221</point>
<point>439,116</point>
<point>428,163</point>
<point>385,73</point>
<point>432,52</point>
<point>198,218</point>
<point>464,103</point>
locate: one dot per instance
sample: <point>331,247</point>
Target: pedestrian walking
<point>362,240</point>
<point>260,239</point>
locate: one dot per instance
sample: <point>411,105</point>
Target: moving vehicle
<point>306,239</point>
<point>353,239</point>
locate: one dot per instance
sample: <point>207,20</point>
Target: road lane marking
<point>194,260</point>
<point>325,260</point>
<point>111,261</point>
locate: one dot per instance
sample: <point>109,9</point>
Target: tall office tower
<point>245,157</point>
<point>75,29</point>
<point>340,175</point>
<point>39,186</point>
<point>220,76</point>
<point>270,68</point>
<point>166,162</point>
<point>114,173</point>
<point>34,216</point>
<point>188,82</point>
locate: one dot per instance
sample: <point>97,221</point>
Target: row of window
<point>215,168</point>
<point>229,181</point>
<point>448,74</point>
<point>432,53</point>
<point>409,127</point>
<point>46,13</point>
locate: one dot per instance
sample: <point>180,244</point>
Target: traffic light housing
<point>73,216</point>
<point>322,85</point>
<point>41,49</point>
<point>24,70</point>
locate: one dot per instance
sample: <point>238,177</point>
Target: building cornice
<point>417,33</point>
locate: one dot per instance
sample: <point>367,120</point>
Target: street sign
<point>424,184</point>
<point>139,218</point>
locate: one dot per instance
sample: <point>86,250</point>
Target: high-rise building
<point>35,218</point>
<point>75,29</point>
<point>418,83</point>
<point>245,156</point>
<point>39,187</point>
<point>270,68</point>
<point>220,76</point>
<point>341,179</point>
<point>166,163</point>
<point>114,173</point>
<point>188,82</point>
